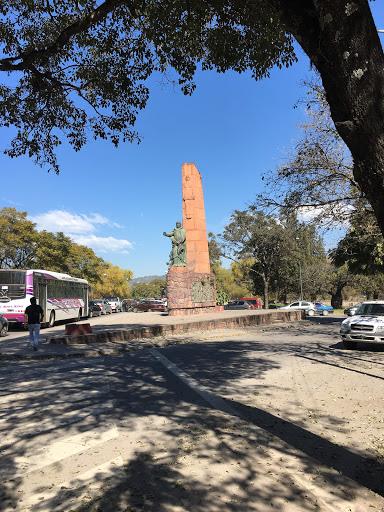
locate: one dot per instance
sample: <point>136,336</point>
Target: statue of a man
<point>179,247</point>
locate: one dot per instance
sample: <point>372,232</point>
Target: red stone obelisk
<point>192,289</point>
<point>194,220</point>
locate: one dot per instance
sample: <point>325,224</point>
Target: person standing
<point>33,315</point>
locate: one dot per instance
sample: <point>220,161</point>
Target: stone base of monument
<point>190,293</point>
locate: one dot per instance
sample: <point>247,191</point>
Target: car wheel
<point>51,322</point>
<point>149,310</point>
<point>350,345</point>
<point>4,330</point>
<point>90,314</point>
<point>135,310</point>
<point>325,312</point>
<point>311,312</point>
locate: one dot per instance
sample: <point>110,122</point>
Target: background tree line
<point>267,252</point>
<point>270,247</point>
<point>23,246</point>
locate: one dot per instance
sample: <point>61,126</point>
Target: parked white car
<point>308,307</point>
<point>115,303</point>
<point>366,326</point>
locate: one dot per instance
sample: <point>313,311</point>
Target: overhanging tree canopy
<point>101,54</point>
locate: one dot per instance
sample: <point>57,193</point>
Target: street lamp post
<point>301,281</point>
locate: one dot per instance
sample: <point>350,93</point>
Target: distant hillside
<point>145,279</point>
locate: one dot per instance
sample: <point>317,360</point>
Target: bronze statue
<point>178,254</point>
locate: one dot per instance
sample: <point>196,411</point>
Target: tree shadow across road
<point>197,458</point>
<point>365,471</point>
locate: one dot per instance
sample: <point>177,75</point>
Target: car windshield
<point>371,309</point>
<point>111,299</point>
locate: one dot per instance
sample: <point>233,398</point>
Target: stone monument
<point>191,288</point>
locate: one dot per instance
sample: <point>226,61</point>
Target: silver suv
<point>365,326</point>
<point>115,303</point>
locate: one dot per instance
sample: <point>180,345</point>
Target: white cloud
<point>60,220</point>
<point>81,229</point>
<point>337,214</point>
<point>101,244</point>
<point>309,213</point>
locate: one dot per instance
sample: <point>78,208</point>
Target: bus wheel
<point>51,322</point>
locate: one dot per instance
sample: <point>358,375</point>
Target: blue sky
<point>119,201</point>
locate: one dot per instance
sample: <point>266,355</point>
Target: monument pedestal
<point>190,293</point>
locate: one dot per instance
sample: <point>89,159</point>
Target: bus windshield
<point>12,284</point>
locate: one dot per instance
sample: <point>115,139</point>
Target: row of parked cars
<point>109,305</point>
<point>147,305</point>
<point>310,308</point>
<point>245,303</point>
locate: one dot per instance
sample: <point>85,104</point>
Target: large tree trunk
<point>337,298</point>
<point>341,40</point>
<point>266,290</point>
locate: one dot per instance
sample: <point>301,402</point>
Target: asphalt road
<point>244,420</point>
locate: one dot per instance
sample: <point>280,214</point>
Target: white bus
<point>61,296</point>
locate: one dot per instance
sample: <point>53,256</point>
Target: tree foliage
<point>23,246</point>
<point>231,282</point>
<point>260,237</point>
<point>215,253</point>
<point>153,289</point>
<point>83,262</point>
<point>83,66</point>
<point>371,289</point>
<point>315,178</point>
<point>112,281</point>
<point>270,250</point>
<point>52,251</point>
<point>362,248</point>
<point>17,239</point>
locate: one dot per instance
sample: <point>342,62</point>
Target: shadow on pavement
<point>172,467</point>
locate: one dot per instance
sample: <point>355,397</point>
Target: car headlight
<point>345,327</point>
<point>380,328</point>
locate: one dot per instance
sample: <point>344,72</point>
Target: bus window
<point>12,284</point>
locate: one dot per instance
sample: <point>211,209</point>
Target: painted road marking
<point>64,448</point>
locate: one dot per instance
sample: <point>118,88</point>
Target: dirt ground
<point>282,418</point>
